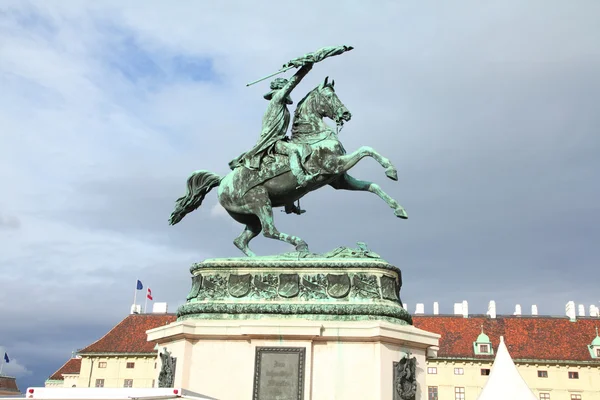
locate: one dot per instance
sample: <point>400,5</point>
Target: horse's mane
<point>300,105</point>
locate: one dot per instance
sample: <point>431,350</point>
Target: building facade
<point>559,357</point>
<point>67,375</point>
<point>121,358</point>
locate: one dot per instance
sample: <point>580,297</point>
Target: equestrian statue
<point>281,169</point>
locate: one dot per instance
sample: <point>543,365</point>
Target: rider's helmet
<point>278,84</point>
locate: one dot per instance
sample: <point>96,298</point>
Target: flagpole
<point>135,293</point>
<point>146,303</point>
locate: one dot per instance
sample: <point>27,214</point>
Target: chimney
<point>135,309</point>
<point>593,311</point>
<point>570,311</point>
<point>420,308</point>
<point>465,309</point>
<point>492,309</point>
<point>405,306</point>
<point>436,308</point>
<point>534,310</point>
<point>458,309</point>
<point>159,308</point>
<point>517,310</point>
<point>581,310</point>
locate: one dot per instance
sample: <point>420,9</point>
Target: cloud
<point>13,367</point>
<point>9,222</point>
<point>489,113</point>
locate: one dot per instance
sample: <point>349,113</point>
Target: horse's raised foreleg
<point>347,182</point>
<point>343,163</point>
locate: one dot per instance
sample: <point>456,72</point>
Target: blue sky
<point>488,111</point>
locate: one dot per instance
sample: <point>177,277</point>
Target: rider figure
<point>276,121</point>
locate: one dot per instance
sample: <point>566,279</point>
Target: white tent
<point>505,382</point>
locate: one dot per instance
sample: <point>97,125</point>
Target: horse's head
<point>323,102</point>
<point>328,103</point>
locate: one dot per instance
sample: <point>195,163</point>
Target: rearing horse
<point>249,196</point>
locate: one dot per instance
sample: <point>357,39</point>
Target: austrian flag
<point>149,295</point>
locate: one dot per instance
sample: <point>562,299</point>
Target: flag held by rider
<point>315,57</point>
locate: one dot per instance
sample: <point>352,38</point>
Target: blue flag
<point>139,285</point>
<point>6,358</point>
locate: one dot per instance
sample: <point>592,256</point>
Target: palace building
<point>121,358</point>
<point>557,356</point>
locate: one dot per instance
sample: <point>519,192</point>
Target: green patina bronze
<point>345,284</point>
<point>280,169</point>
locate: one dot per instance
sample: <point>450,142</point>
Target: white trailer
<point>43,393</point>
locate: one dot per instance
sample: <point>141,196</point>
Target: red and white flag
<point>149,295</point>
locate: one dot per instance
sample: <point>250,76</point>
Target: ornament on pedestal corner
<point>166,376</point>
<point>405,381</point>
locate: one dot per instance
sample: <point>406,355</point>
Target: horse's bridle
<point>339,122</point>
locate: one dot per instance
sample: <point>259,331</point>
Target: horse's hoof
<point>302,248</point>
<point>391,173</point>
<point>401,213</point>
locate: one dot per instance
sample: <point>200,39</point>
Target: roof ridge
<point>129,335</point>
<point>106,334</point>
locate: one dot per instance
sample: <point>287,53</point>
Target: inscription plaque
<point>279,373</point>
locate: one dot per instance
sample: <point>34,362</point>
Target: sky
<point>489,110</point>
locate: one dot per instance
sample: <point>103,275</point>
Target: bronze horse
<point>249,196</point>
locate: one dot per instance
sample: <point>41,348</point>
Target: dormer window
<point>594,347</point>
<point>483,345</point>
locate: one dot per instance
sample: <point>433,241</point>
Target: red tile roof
<point>73,366</point>
<point>527,337</point>
<point>8,385</point>
<point>129,335</point>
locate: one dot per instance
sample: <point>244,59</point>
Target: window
<point>573,375</point>
<point>485,371</point>
<point>154,365</point>
<point>484,348</point>
<point>128,383</point>
<point>130,365</point>
<point>459,393</point>
<point>575,397</point>
<point>432,370</point>
<point>99,382</point>
<point>542,374</point>
<point>153,382</point>
<point>459,371</point>
<point>432,393</point>
<point>102,364</point>
<point>597,352</point>
<point>544,396</point>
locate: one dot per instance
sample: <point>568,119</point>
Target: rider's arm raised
<point>295,80</point>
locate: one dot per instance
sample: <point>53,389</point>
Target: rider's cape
<point>275,124</point>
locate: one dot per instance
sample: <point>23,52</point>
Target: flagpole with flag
<point>148,296</point>
<point>138,286</point>
<point>4,360</point>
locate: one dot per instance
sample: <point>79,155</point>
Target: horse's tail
<point>198,186</point>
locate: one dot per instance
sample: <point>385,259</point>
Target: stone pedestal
<point>298,328</point>
<point>342,359</point>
